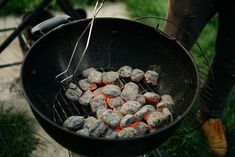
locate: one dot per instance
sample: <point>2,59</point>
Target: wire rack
<point>194,119</point>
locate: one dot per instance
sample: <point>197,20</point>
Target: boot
<point>214,131</point>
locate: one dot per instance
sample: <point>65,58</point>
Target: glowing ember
<point>85,85</point>
<point>119,107</point>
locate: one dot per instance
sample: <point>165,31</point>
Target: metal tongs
<point>59,78</point>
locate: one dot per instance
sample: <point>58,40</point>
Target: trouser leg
<point>191,16</point>
<point>224,60</point>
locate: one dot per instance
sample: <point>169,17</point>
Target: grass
<point>17,134</point>
<point>194,144</point>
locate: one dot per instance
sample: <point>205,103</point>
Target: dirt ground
<point>10,91</point>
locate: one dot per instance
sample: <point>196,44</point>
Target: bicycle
<point>40,13</point>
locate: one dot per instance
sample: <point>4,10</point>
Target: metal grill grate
<point>63,107</point>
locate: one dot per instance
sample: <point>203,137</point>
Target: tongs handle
<point>47,25</point>
<point>64,76</point>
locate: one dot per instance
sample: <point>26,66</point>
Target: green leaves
<point>18,7</point>
<point>140,8</point>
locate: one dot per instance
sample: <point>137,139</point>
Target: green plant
<point>147,7</point>
<point>87,1</point>
<point>15,7</point>
<point>17,133</point>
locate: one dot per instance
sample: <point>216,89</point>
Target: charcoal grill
<point>114,43</point>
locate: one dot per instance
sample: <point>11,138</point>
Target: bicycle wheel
<point>26,39</point>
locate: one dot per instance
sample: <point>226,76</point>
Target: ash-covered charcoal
<point>141,128</point>
<point>95,127</point>
<point>111,133</point>
<point>114,102</point>
<point>151,77</point>
<point>152,97</point>
<point>147,109</point>
<point>110,118</point>
<point>73,92</point>
<point>137,75</point>
<point>125,71</point>
<point>72,85</point>
<point>130,107</point>
<point>127,120</point>
<point>85,85</point>
<point>98,91</point>
<point>127,132</point>
<point>101,111</point>
<point>86,72</point>
<point>110,77</point>
<point>74,122</point>
<point>85,98</point>
<point>84,132</point>
<point>140,98</point>
<point>156,119</point>
<point>168,99</point>
<point>97,102</point>
<point>117,110</point>
<point>100,130</point>
<point>159,119</point>
<point>130,91</point>
<point>166,102</point>
<point>95,77</point>
<point>167,113</point>
<point>111,91</point>
<point>132,86</point>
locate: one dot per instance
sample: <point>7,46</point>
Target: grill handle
<point>45,26</point>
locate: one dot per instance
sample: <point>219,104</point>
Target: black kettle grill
<point>114,43</point>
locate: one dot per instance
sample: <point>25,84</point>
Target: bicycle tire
<point>26,39</point>
<point>3,2</point>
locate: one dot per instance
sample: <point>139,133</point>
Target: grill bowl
<point>114,43</point>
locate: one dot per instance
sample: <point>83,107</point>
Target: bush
<point>17,134</point>
<point>16,7</point>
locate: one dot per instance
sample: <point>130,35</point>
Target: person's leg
<point>223,68</point>
<point>224,60</point>
<point>189,17</point>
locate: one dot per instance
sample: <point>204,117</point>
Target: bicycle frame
<point>64,5</point>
